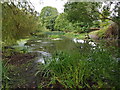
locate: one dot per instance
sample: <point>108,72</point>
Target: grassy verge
<point>58,34</point>
<point>75,35</point>
<point>54,34</point>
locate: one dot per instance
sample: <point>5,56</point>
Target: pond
<point>43,49</point>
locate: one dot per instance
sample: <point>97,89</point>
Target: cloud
<point>39,4</point>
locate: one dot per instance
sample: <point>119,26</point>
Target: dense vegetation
<point>48,16</point>
<point>84,70</point>
<point>17,23</point>
<point>78,17</point>
<point>85,67</point>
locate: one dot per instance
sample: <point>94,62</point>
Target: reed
<point>93,69</point>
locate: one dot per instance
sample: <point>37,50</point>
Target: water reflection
<point>46,47</point>
<point>83,41</point>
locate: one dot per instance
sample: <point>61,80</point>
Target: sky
<point>39,4</point>
<point>58,4</point>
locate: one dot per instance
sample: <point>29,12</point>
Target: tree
<point>113,15</point>
<point>62,24</point>
<point>48,16</point>
<point>87,12</point>
<point>17,23</point>
<point>81,12</point>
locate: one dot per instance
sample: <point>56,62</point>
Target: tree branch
<point>104,17</point>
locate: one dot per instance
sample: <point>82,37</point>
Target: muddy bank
<point>21,70</point>
<point>21,58</point>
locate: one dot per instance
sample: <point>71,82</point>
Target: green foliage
<point>62,24</point>
<point>101,33</point>
<point>16,23</point>
<point>75,35</point>
<point>115,11</point>
<point>41,28</point>
<point>91,69</point>
<point>96,24</point>
<point>50,24</point>
<point>78,17</point>
<point>88,14</point>
<point>105,23</point>
<point>82,12</point>
<point>108,30</point>
<point>54,34</point>
<point>48,16</point>
<point>5,75</point>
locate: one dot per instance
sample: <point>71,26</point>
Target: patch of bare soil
<point>21,58</point>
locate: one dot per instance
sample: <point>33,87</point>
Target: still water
<point>45,47</point>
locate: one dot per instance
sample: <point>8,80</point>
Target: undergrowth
<point>95,68</point>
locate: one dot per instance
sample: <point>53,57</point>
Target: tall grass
<point>87,69</point>
<point>5,75</point>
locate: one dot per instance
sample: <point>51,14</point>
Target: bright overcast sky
<point>39,4</point>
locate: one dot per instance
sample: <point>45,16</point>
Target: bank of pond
<point>56,61</point>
